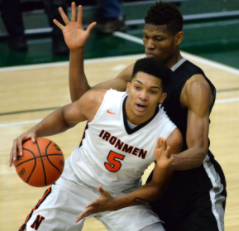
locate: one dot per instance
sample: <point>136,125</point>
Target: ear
<point>178,38</point>
<point>127,87</point>
<point>163,97</point>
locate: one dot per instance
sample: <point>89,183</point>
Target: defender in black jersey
<point>195,200</point>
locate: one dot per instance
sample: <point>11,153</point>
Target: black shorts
<point>195,200</point>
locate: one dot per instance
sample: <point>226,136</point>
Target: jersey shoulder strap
<point>111,104</point>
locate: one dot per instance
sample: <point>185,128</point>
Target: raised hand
<point>162,153</point>
<point>74,34</point>
<point>105,202</point>
<point>17,145</point>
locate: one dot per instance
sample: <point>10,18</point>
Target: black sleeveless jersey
<point>172,103</point>
<point>185,186</point>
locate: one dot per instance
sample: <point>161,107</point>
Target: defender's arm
<point>197,97</point>
<point>76,37</point>
<point>120,82</point>
<point>78,80</point>
<point>147,193</point>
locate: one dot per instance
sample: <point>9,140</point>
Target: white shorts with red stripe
<point>67,198</point>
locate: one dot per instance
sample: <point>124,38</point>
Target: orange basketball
<point>41,163</point>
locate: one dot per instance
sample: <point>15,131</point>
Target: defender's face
<point>145,92</point>
<point>159,42</point>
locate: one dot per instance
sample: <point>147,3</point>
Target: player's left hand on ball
<point>17,145</point>
<point>162,153</point>
<point>105,202</point>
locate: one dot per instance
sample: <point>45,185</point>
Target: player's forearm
<point>189,159</point>
<point>51,125</point>
<point>143,195</point>
<point>77,80</point>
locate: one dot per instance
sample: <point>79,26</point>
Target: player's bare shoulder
<point>196,91</point>
<point>90,102</point>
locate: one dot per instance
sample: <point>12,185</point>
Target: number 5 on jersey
<point>114,164</point>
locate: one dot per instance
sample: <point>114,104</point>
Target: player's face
<point>145,92</point>
<point>159,43</point>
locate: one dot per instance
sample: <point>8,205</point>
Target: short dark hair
<point>153,67</point>
<point>163,13</point>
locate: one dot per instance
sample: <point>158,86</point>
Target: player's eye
<point>159,39</point>
<point>137,88</point>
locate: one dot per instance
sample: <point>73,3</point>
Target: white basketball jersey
<point>112,154</point>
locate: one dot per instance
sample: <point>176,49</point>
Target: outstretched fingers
<point>168,153</point>
<point>63,16</point>
<point>92,204</point>
<point>80,15</point>
<point>163,144</point>
<point>84,214</point>
<point>170,160</point>
<point>73,12</point>
<point>100,189</point>
<point>90,27</point>
<point>158,145</point>
<point>58,24</point>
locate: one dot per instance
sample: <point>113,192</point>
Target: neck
<point>176,58</point>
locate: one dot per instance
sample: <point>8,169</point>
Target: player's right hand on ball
<point>17,145</point>
<point>74,34</point>
<point>162,153</point>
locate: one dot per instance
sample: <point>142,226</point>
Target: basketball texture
<point>41,163</point>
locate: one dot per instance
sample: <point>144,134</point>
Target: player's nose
<point>150,45</point>
<point>143,95</point>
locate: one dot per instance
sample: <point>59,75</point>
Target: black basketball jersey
<point>172,103</point>
<point>185,186</point>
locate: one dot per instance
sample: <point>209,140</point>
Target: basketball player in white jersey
<point>198,180</point>
<point>101,178</point>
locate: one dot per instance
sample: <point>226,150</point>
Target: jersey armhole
<point>100,108</point>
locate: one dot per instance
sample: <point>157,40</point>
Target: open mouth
<point>141,107</point>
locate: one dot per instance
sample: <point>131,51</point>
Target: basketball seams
<point>43,171</point>
<point>38,157</point>
<point>49,159</point>
<point>55,154</point>
<point>42,162</point>
<point>54,165</point>
<point>27,160</point>
<point>33,167</point>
